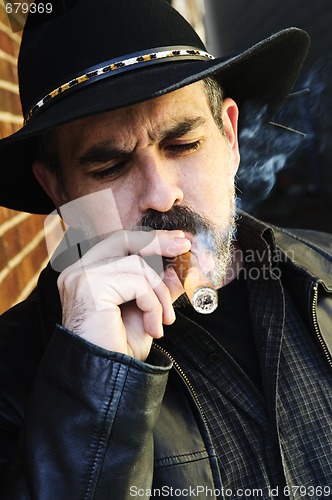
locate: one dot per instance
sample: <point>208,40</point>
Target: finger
<point>154,304</point>
<point>173,284</point>
<point>123,267</point>
<point>166,290</point>
<point>137,265</point>
<point>165,298</point>
<point>152,313</point>
<point>124,277</point>
<point>123,243</point>
<point>165,243</point>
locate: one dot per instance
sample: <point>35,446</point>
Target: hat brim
<point>266,72</point>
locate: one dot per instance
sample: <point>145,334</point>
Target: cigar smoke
<point>265,149</point>
<point>316,114</point>
<point>300,129</point>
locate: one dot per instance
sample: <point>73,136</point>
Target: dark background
<point>302,192</point>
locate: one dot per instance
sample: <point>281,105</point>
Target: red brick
<point>20,235</point>
<point>16,280</point>
<point>8,45</point>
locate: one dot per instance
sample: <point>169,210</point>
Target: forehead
<point>149,117</point>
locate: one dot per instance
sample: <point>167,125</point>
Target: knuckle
<point>137,260</point>
<point>70,277</point>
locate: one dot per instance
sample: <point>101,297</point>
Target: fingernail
<point>182,241</point>
<point>177,233</point>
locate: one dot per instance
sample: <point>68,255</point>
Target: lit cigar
<point>199,289</point>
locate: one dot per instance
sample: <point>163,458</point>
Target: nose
<point>160,185</point>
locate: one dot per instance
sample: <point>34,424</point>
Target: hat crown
<point>79,34</point>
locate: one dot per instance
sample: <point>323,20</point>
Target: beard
<point>208,237</point>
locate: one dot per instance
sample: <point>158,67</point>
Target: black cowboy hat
<point>88,57</point>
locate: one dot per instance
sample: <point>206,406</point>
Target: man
<point>108,391</point>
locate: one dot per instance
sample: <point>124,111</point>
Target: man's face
<point>149,158</point>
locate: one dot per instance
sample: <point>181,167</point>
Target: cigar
<point>200,291</point>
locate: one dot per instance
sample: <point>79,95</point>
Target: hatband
<point>117,65</point>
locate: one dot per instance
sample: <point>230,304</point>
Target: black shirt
<point>230,325</point>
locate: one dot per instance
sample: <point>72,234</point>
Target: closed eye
<point>110,172</point>
<point>175,149</point>
<point>179,148</point>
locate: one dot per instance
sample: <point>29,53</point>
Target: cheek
<point>74,184</point>
<point>125,202</point>
<point>211,181</point>
<point>95,213</point>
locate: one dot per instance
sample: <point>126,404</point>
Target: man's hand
<point>114,299</point>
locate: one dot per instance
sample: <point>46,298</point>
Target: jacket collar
<point>309,251</point>
<point>49,302</point>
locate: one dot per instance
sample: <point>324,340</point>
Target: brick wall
<point>22,245</point>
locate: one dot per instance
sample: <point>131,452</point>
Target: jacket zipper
<point>185,380</point>
<point>316,326</point>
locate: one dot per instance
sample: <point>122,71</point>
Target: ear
<point>230,114</point>
<point>49,182</point>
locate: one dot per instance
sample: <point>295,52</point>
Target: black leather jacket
<point>103,425</point>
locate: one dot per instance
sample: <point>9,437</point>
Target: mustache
<point>178,217</point>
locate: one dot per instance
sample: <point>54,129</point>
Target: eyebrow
<point>102,153</point>
<point>182,128</point>
<point>105,151</point>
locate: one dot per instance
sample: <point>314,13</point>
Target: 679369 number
<point>314,492</point>
<point>24,8</point>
